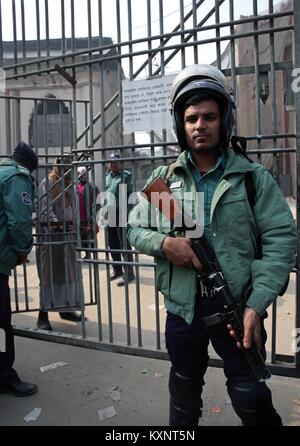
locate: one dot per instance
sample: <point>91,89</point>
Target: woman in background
<point>60,288</point>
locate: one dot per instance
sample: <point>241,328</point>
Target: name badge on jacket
<point>176,185</point>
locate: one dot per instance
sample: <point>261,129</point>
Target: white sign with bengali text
<point>146,105</point>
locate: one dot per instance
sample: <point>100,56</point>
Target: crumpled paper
<point>52,366</point>
<point>109,412</point>
<point>33,415</point>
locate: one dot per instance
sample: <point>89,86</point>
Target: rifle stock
<point>160,196</point>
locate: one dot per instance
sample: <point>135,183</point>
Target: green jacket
<point>113,183</point>
<point>17,195</point>
<point>235,229</point>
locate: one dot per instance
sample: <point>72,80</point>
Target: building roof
<point>246,44</point>
<point>80,43</point>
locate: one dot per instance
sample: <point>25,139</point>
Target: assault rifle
<point>160,196</point>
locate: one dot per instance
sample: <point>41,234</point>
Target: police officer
<point>17,196</point>
<point>116,177</point>
<point>208,167</point>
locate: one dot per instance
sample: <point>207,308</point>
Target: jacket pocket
<point>8,257</point>
<point>233,216</point>
<point>163,275</point>
<point>183,286</point>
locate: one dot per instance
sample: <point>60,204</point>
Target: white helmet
<point>197,79</point>
<point>81,170</point>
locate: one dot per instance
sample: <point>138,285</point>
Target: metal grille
<point>255,43</point>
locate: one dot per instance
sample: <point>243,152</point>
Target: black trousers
<point>87,240</point>
<point>187,346</point>
<point>115,241</point>
<point>7,373</point>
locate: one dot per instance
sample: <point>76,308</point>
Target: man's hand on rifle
<point>252,325</point>
<point>178,251</point>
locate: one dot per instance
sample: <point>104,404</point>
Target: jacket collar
<point>12,163</point>
<point>9,162</point>
<point>234,163</point>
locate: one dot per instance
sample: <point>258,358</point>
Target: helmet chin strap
<point>207,151</point>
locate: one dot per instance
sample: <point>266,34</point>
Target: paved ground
<point>136,387</point>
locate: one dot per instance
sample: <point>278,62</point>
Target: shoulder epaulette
<point>23,170</point>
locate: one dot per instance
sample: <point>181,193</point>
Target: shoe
<point>122,282</point>
<point>70,316</point>
<point>19,388</point>
<point>115,275</point>
<point>43,321</point>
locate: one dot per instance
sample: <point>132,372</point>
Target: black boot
<point>185,399</point>
<point>131,278</point>
<point>19,388</point>
<point>116,274</point>
<point>43,321</point>
<point>183,416</point>
<point>70,316</point>
<point>252,402</point>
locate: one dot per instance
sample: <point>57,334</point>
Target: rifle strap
<point>250,188</point>
<point>170,171</point>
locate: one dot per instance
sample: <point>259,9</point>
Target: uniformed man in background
<point>17,195</point>
<point>117,176</point>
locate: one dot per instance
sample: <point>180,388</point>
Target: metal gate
<point>65,69</point>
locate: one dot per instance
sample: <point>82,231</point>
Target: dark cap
<point>114,156</point>
<point>65,158</point>
<point>25,156</point>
